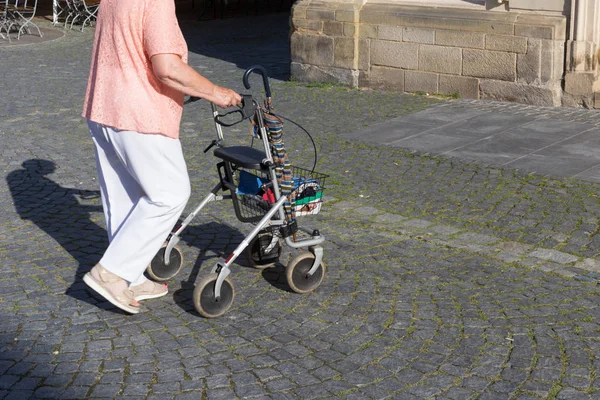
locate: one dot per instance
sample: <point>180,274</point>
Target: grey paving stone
<point>46,392</point>
<point>569,393</point>
<point>136,389</point>
<point>553,255</point>
<point>458,393</point>
<point>277,385</point>
<point>24,394</point>
<point>194,386</point>
<point>26,384</point>
<point>217,381</point>
<point>267,374</point>
<point>7,381</point>
<point>189,395</point>
<point>75,392</point>
<point>220,394</point>
<point>250,391</point>
<point>166,388</point>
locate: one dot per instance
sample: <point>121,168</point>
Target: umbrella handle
<point>260,70</point>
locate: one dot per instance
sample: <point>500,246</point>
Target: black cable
<point>305,131</point>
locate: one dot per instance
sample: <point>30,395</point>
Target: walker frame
<point>214,294</point>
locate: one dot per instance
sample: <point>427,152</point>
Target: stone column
<point>583,39</point>
<point>581,64</point>
<point>326,39</point>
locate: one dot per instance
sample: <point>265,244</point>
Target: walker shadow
<point>214,241</point>
<point>59,212</point>
<point>217,241</point>
<point>276,277</point>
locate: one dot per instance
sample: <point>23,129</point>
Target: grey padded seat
<point>243,156</point>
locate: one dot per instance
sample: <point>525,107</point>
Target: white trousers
<point>144,186</point>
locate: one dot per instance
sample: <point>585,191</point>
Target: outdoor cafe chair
<point>60,10</point>
<point>82,10</point>
<point>71,11</point>
<point>4,19</point>
<point>18,14</point>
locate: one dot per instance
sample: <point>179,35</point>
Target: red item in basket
<point>269,196</point>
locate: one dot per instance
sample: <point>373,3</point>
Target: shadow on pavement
<point>206,238</point>
<point>210,253</point>
<point>266,43</point>
<point>58,211</point>
<point>276,277</point>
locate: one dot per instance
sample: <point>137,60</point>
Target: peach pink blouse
<point>122,90</point>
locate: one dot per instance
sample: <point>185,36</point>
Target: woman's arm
<point>173,72</point>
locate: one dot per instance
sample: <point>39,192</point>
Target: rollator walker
<point>267,192</point>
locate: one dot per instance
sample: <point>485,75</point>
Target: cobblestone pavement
<point>446,279</point>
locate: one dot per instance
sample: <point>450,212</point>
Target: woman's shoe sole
<point>97,286</point>
<point>150,296</point>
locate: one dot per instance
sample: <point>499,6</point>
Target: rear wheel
<point>258,255</point>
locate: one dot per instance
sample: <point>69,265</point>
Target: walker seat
<point>244,157</point>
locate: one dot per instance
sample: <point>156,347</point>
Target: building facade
<point>542,52</point>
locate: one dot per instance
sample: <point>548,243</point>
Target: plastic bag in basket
<point>308,196</point>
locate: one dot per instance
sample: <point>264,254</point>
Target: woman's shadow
<point>63,214</point>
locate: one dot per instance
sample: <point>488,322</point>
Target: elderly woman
<point>138,78</point>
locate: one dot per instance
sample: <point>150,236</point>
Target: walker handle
<point>260,70</point>
<point>245,109</point>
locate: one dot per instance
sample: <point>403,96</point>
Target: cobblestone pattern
<point>533,209</point>
<point>424,297</point>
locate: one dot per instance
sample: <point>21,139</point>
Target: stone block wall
<point>477,54</point>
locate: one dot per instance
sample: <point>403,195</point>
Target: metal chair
<point>19,15</point>
<point>82,10</point>
<point>71,11</point>
<point>90,8</point>
<point>60,10</point>
<point>4,22</point>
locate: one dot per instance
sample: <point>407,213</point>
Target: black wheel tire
<point>160,271</point>
<point>296,271</point>
<point>204,297</point>
<point>256,256</point>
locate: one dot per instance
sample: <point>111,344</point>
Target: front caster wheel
<point>159,270</point>
<point>296,273</point>
<point>204,296</point>
<point>257,253</point>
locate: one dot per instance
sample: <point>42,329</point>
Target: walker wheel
<point>160,271</point>
<point>204,296</point>
<point>255,252</point>
<point>296,273</point>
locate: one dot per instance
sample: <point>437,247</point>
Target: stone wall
<point>475,53</point>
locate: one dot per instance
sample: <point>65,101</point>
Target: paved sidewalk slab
<point>493,134</point>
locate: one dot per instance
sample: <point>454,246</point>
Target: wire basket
<point>252,201</point>
<point>307,193</point>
